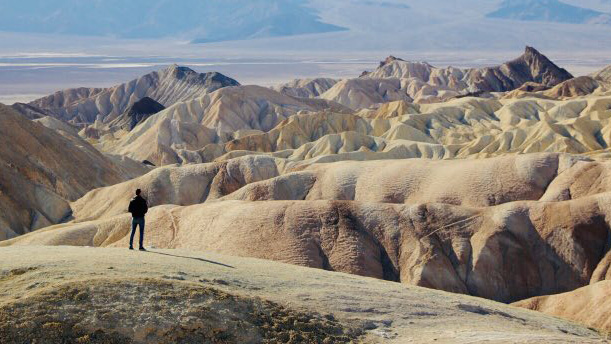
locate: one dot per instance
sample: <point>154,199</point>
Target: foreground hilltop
<point>115,295</point>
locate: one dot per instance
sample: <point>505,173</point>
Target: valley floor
<point>116,295</point>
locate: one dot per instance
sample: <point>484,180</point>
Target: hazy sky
<point>53,44</point>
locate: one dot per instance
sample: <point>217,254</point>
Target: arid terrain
<point>411,203</point>
<point>101,295</point>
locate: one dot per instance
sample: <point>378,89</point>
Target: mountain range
<point>199,21</point>
<point>205,21</point>
<point>549,11</point>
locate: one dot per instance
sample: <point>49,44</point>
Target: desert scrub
<point>159,311</point>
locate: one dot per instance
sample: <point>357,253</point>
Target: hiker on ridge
<point>138,208</point>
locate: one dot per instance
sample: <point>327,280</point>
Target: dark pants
<point>137,221</point>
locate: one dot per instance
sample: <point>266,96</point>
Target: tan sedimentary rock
<point>43,169</point>
<point>507,252</point>
<point>167,86</point>
<point>589,305</point>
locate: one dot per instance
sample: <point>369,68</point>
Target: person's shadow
<point>194,258</point>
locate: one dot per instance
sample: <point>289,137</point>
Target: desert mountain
<point>146,19</point>
<point>365,93</point>
<point>167,86</point>
<point>548,11</point>
<point>43,169</point>
<point>397,79</point>
<point>426,83</point>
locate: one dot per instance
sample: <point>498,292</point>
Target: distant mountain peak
<point>167,86</point>
<point>185,73</point>
<point>532,51</point>
<point>179,71</point>
<point>540,68</point>
<point>389,59</point>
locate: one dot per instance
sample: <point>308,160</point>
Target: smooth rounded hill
<point>504,228</point>
<point>590,305</point>
<point>116,295</point>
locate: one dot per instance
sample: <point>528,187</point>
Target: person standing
<point>138,207</point>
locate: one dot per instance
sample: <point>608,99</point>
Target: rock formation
<point>603,74</point>
<point>271,124</point>
<point>136,114</point>
<point>425,83</point>
<point>181,132</point>
<point>364,93</point>
<point>43,169</point>
<point>30,112</point>
<point>473,227</point>
<point>572,88</point>
<point>167,86</point>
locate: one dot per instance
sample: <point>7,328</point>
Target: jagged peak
<point>177,71</point>
<point>544,70</point>
<point>533,56</point>
<point>389,59</point>
<point>532,51</point>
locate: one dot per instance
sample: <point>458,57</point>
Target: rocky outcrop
<point>30,112</point>
<point>167,86</point>
<point>136,114</point>
<point>43,169</point>
<point>602,75</point>
<point>572,88</point>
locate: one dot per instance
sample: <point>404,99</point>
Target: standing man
<point>138,208</point>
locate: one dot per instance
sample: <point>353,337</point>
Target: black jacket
<point>138,206</point>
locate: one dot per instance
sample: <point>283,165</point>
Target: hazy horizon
<point>50,46</point>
